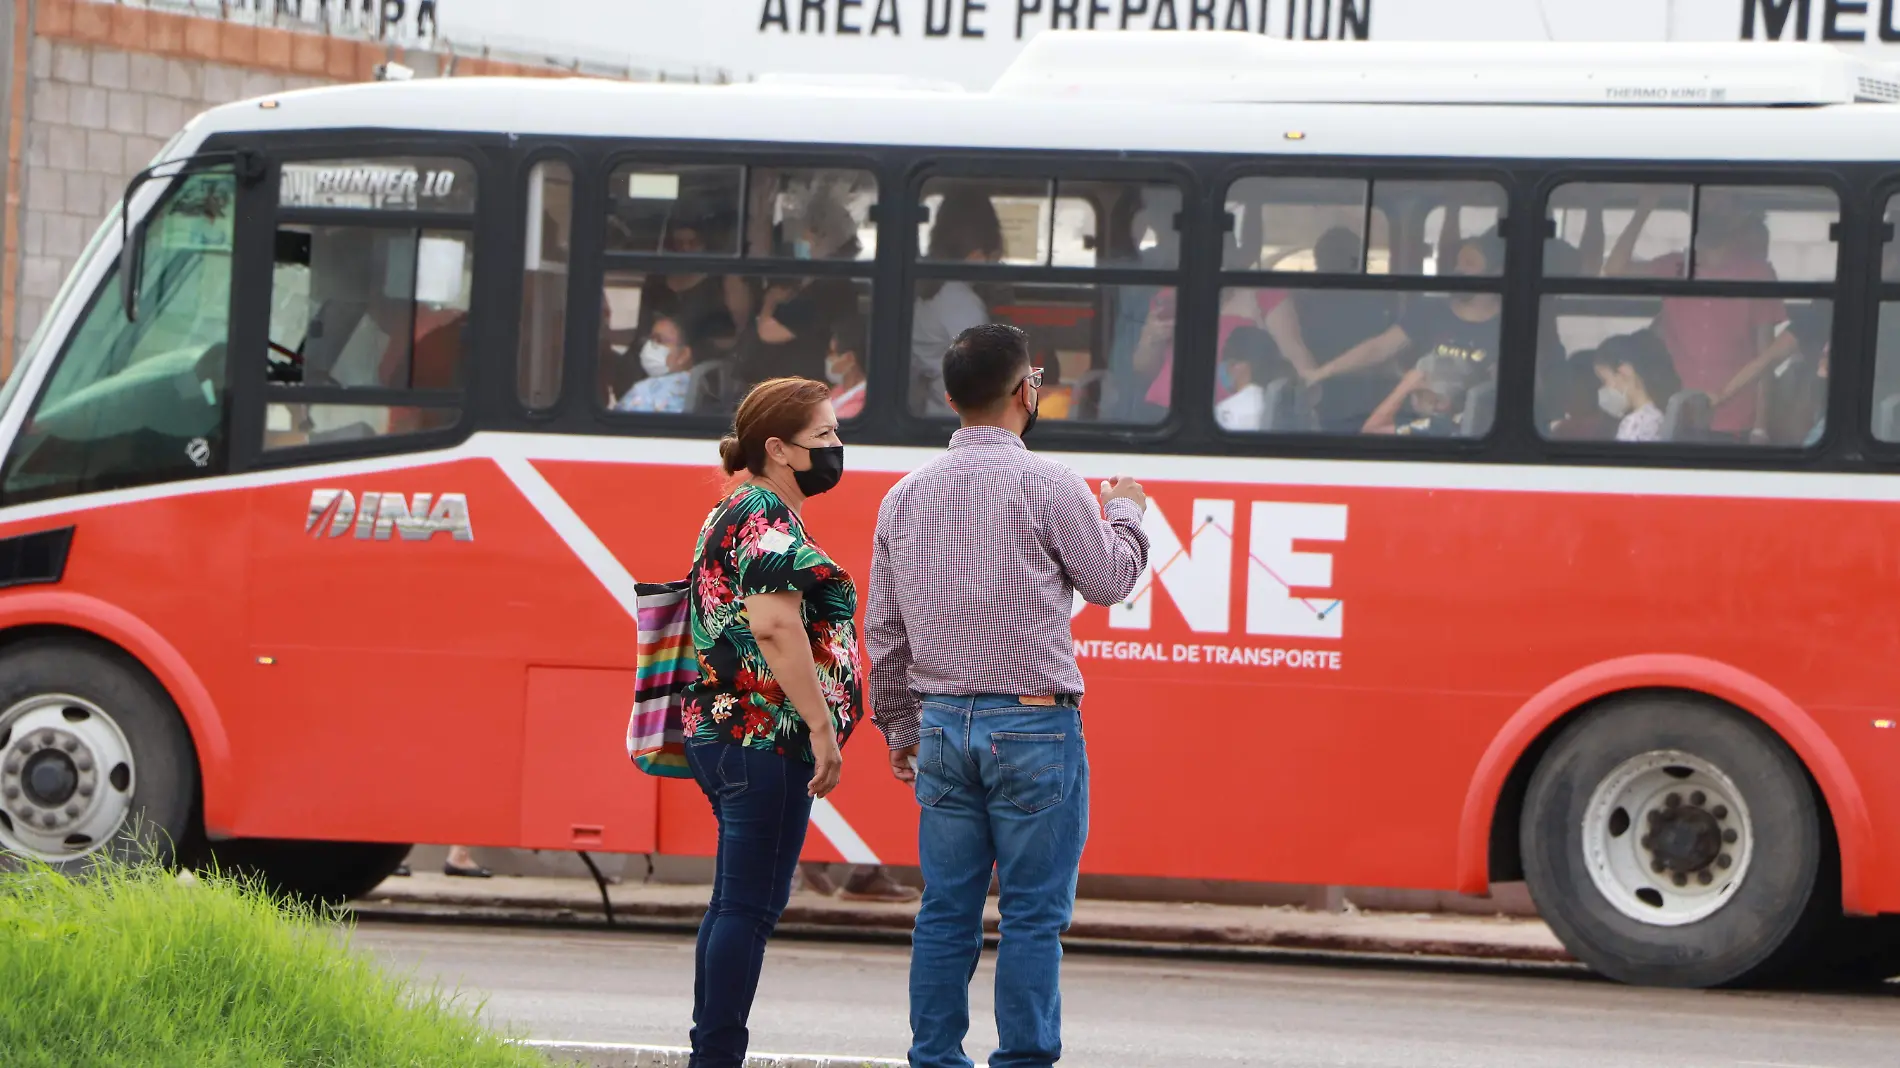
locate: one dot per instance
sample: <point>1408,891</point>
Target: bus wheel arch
<point>88,622</point>
<point>1487,846</point>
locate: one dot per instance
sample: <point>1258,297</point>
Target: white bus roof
<point>1249,68</point>
<point>1098,119</point>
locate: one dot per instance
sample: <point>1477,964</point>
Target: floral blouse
<point>753,543</point>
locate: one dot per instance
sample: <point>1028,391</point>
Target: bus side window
<point>550,227</point>
<point>1106,349</point>
<point>1676,359</point>
<point>374,303</point>
<point>142,402</point>
<point>1886,395</point>
<point>1334,356</point>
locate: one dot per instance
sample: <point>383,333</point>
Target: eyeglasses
<point>1033,379</point>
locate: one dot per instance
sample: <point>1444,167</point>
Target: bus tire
<point>314,873</point>
<point>1671,841</point>
<point>95,760</point>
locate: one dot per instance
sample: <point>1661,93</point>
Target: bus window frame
<point>259,217</point>
<point>1509,284</point>
<point>1842,291</point>
<point>584,241</point>
<point>976,165</point>
<point>1876,290</point>
<point>585,332</point>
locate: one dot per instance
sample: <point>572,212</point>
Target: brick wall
<point>107,85</point>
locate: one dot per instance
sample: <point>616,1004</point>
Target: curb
<point>617,1055</point>
<point>831,922</point>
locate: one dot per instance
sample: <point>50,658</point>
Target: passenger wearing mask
<point>793,332</point>
<point>667,360</point>
<point>1715,342</point>
<point>1243,368</point>
<point>1637,379</point>
<point>965,229</point>
<point>844,366</point>
<point>1433,402</point>
<point>1145,234</point>
<point>1459,332</point>
<point>718,305</point>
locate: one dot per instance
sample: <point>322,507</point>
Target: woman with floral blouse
<point>779,691</point>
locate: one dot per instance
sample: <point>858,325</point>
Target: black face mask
<point>1034,414</point>
<point>827,468</point>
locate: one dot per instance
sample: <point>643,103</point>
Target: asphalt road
<point>830,997</point>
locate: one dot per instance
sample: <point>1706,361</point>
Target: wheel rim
<point>66,778</point>
<point>1667,838</point>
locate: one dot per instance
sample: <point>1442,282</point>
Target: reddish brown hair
<point>777,408</point>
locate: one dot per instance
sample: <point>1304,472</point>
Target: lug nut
<point>83,762</point>
<point>1721,812</point>
<point>1679,879</point>
<point>23,747</point>
<point>1705,877</point>
<point>1649,842</point>
<point>85,790</point>
<point>1698,799</point>
<point>72,811</point>
<point>12,793</point>
<point>1656,866</point>
<point>11,767</point>
<point>1729,836</point>
<point>1672,801</point>
<point>70,744</point>
<point>1724,861</point>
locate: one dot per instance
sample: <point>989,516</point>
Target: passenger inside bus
<point>666,360</point>
<point>714,304</point>
<point>1247,362</point>
<point>1332,322</point>
<point>1636,378</point>
<point>1461,328</point>
<point>965,228</point>
<point>792,333</point>
<point>844,366</point>
<point>1714,342</point>
<point>1578,395</point>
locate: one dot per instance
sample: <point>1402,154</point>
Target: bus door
<point>387,603</point>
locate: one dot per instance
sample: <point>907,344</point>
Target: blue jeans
<point>1002,785</point>
<point>760,801</point>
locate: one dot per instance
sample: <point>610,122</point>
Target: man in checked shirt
<point>974,683</point>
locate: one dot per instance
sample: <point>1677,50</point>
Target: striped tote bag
<point>655,740</point>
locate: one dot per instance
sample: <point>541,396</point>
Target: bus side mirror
<point>131,264</point>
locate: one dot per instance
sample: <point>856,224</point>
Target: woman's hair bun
<point>732,454</point>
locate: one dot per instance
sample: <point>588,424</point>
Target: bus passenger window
<point>1275,224</point>
<point>692,344</point>
<point>1331,356</point>
<point>142,402</point>
<point>544,278</point>
<point>811,214</point>
<point>674,210</point>
<point>1688,362</point>
<point>1106,349</point>
<point>1886,393</point>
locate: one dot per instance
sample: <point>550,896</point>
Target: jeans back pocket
<point>931,784</point>
<point>719,767</point>
<point>1032,768</point>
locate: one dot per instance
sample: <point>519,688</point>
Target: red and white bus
<point>1505,523</point>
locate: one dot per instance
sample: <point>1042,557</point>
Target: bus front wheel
<point>324,873</point>
<point>1674,842</point>
<point>94,759</point>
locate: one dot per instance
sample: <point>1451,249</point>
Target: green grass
<point>133,966</point>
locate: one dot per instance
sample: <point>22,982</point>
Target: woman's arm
<point>1371,352</point>
<point>1385,418</point>
<point>1623,253</point>
<point>778,625</point>
<point>1283,326</point>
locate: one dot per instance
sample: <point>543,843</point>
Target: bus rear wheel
<point>1670,841</point>
<point>94,759</point>
<point>319,873</point>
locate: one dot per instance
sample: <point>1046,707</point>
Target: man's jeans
<point>760,801</point>
<point>1001,784</point>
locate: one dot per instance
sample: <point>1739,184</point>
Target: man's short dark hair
<point>984,365</point>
